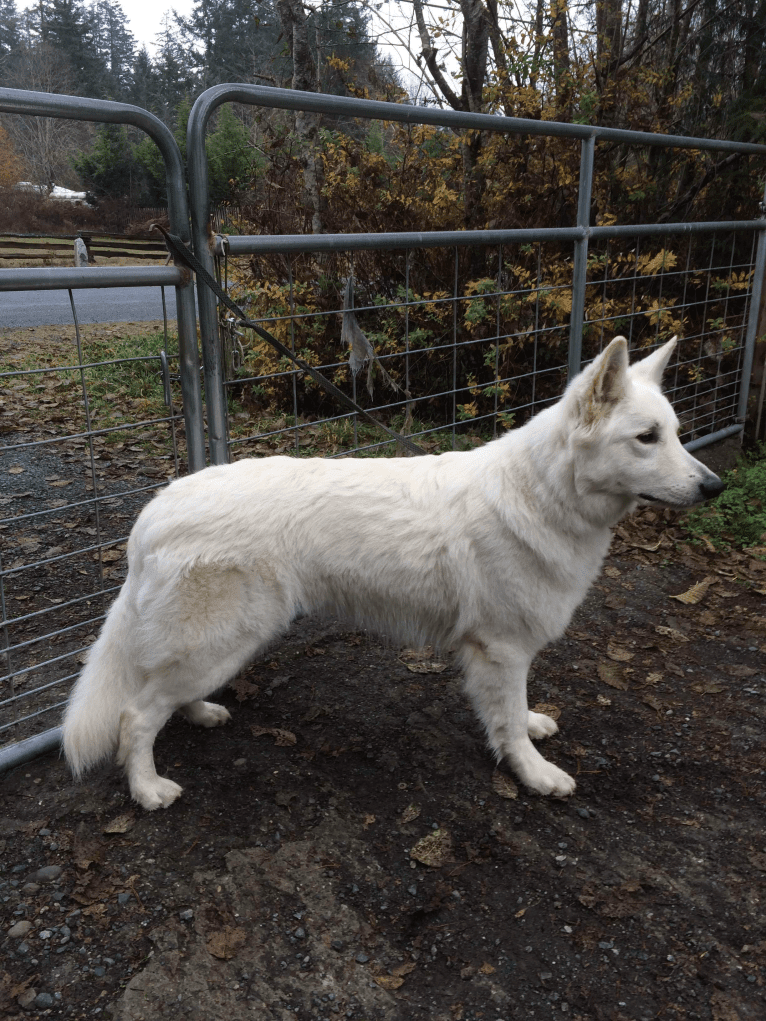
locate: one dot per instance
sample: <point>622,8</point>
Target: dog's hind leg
<point>496,682</point>
<point>165,691</point>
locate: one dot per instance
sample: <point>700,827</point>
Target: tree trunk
<point>293,18</point>
<point>561,62</point>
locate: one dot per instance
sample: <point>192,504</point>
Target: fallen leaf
<point>283,738</point>
<point>694,594</point>
<point>120,824</point>
<point>549,710</point>
<point>758,859</point>
<point>412,811</point>
<point>61,483</point>
<point>612,572</point>
<point>15,471</point>
<point>504,786</point>
<point>403,969</point>
<point>653,679</point>
<point>737,670</point>
<point>421,661</point>
<point>368,820</point>
<point>618,653</point>
<point>706,687</point>
<point>244,689</point>
<point>612,675</point>
<point>435,849</point>
<point>671,632</point>
<point>603,700</point>
<point>487,969</point>
<point>225,944</point>
<point>652,702</point>
<point>389,981</point>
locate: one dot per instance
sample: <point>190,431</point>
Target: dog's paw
<point>160,793</point>
<point>550,780</point>
<point>206,714</point>
<point>539,725</point>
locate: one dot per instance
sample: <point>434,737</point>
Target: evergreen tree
<point>64,25</point>
<point>233,40</point>
<point>110,166</point>
<point>115,47</point>
<point>10,27</point>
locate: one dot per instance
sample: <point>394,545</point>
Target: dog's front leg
<point>496,682</point>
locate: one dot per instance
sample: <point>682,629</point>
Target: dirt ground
<point>346,848</point>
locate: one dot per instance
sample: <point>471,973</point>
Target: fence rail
<point>61,246</point>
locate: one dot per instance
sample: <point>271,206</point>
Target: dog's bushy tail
<point>91,728</point>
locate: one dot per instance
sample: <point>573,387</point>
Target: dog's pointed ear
<point>651,368</point>
<point>604,382</point>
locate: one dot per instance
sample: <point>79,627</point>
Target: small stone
<point>27,998</point>
<point>44,832</point>
<point>30,888</point>
<point>48,873</point>
<point>300,933</point>
<point>337,945</point>
<point>186,915</point>
<point>361,958</point>
<point>123,898</point>
<point>46,934</point>
<point>44,1000</point>
<point>583,813</point>
<point>99,972</point>
<point>412,890</point>
<point>19,929</point>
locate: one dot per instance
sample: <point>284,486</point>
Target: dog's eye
<point>649,437</point>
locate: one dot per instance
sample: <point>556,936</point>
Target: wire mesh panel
<point>91,427</point>
<point>466,342</point>
<point>449,356</point>
<point>698,287</point>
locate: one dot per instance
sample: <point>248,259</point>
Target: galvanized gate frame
<point>79,108</point>
<point>579,234</point>
<point>16,101</point>
<point>42,104</point>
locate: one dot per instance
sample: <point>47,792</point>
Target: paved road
<point>100,305</point>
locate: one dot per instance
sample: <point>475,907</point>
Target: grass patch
<point>125,385</point>
<point>737,518</point>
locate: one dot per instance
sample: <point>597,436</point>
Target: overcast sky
<point>144,16</point>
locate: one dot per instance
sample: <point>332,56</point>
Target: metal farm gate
<point>470,357</point>
<point>565,323</point>
<point>75,471</point>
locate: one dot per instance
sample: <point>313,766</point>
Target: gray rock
<point>19,929</point>
<point>48,873</point>
<point>43,1000</point>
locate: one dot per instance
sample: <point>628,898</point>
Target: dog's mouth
<point>649,499</point>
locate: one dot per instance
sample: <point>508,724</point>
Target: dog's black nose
<point>711,487</point>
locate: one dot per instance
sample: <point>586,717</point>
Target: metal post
<point>43,104</point>
<point>580,269</point>
<point>212,355</point>
<point>752,322</point>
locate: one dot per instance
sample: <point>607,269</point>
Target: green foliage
<point>109,167</point>
<point>737,518</point>
<point>229,155</point>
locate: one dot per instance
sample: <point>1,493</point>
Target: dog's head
<point>624,433</point>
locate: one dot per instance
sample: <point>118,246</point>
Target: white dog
<point>488,552</point>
